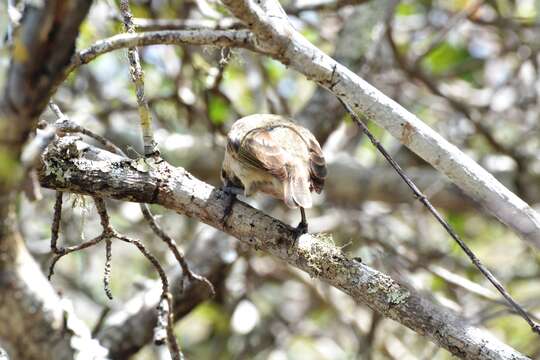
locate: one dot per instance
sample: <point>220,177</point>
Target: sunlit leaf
<point>218,109</point>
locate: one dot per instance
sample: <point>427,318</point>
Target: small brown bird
<point>271,154</point>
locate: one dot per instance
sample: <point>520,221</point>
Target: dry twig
<point>137,77</point>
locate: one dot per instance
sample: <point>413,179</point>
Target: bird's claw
<point>231,198</point>
<point>301,229</point>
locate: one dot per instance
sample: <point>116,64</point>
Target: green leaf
<point>218,110</point>
<point>446,57</point>
<point>275,70</point>
<point>407,9</point>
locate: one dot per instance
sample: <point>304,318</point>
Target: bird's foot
<point>300,230</point>
<point>230,194</point>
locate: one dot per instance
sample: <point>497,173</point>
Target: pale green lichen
<point>53,168</point>
<point>395,293</point>
<point>141,164</point>
<point>323,259</point>
<point>372,287</point>
<point>398,296</point>
<point>324,237</point>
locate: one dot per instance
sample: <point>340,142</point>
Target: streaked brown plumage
<point>270,154</point>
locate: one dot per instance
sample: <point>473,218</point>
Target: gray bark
<point>360,33</point>
<point>34,322</point>
<point>276,36</point>
<point>72,165</point>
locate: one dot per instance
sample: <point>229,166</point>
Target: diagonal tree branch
<point>355,45</point>
<point>276,36</point>
<point>222,38</point>
<point>71,165</point>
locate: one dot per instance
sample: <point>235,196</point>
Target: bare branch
<point>129,328</point>
<point>272,28</point>
<point>424,200</point>
<point>219,38</point>
<point>107,234</point>
<point>176,189</point>
<point>137,78</point>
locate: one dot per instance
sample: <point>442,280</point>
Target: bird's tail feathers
<point>296,189</point>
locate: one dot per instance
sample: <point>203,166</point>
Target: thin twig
<point>174,349</point>
<point>62,251</point>
<point>178,254</point>
<point>137,77</point>
<point>107,273</point>
<point>64,125</point>
<point>423,199</point>
<point>55,228</point>
<point>108,234</point>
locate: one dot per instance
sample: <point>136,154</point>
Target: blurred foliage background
<point>470,69</point>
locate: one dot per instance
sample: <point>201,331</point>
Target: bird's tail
<point>296,188</point>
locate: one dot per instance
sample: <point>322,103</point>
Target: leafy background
<point>467,68</point>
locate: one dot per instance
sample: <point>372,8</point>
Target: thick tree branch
<point>34,322</point>
<point>272,28</point>
<point>71,165</point>
<point>354,47</point>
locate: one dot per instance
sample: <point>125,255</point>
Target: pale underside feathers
<point>270,154</point>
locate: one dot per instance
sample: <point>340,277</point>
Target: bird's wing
<point>317,164</point>
<point>260,150</point>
